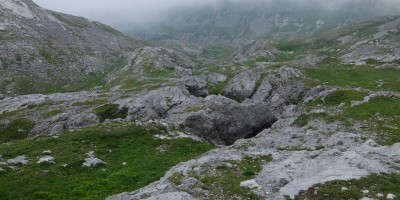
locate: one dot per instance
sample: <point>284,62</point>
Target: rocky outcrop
<point>196,85</point>
<point>242,86</point>
<point>227,121</point>
<point>10,104</point>
<point>82,120</point>
<point>257,49</point>
<point>64,121</point>
<point>157,58</point>
<point>156,104</point>
<point>215,78</point>
<point>280,89</point>
<point>52,47</point>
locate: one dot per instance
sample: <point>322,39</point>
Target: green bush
<point>15,130</point>
<point>110,111</point>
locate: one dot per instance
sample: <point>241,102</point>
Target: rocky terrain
<point>46,51</point>
<point>308,118</point>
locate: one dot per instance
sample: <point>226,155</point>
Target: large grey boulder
<point>196,85</point>
<point>225,121</point>
<point>215,78</point>
<point>157,103</point>
<point>242,86</point>
<point>82,120</point>
<point>280,88</point>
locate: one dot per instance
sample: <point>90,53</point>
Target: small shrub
<point>110,111</point>
<point>15,130</point>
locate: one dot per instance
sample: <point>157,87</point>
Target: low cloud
<point>124,13</point>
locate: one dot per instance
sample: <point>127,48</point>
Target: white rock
<point>18,7</point>
<point>379,195</point>
<point>124,164</point>
<point>47,152</point>
<point>251,184</point>
<point>2,170</point>
<point>91,162</point>
<point>390,196</point>
<point>46,159</point>
<point>343,189</point>
<point>365,192</point>
<point>23,160</point>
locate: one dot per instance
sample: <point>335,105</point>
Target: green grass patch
<point>253,63</point>
<point>217,53</point>
<point>385,106</point>
<point>114,144</point>
<point>160,73</point>
<point>303,119</point>
<point>371,61</point>
<point>16,129</point>
<point>110,111</point>
<point>384,184</point>
<point>224,182</point>
<point>176,178</point>
<point>344,96</point>
<point>8,115</point>
<point>90,103</point>
<point>52,113</point>
<point>218,88</point>
<point>362,76</point>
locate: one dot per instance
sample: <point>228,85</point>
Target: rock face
<point>82,120</point>
<point>229,121</point>
<point>52,47</point>
<point>217,119</point>
<point>196,85</point>
<point>156,104</point>
<point>154,58</point>
<point>237,22</point>
<point>215,78</point>
<point>242,86</point>
<point>256,49</point>
<point>63,121</point>
<point>10,104</point>
<point>277,92</point>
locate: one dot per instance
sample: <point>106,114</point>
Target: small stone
<point>23,160</point>
<point>344,189</point>
<point>2,170</point>
<point>47,152</point>
<point>229,165</point>
<point>124,164</point>
<point>365,192</point>
<point>251,184</point>
<point>379,195</point>
<point>46,159</point>
<point>390,196</point>
<point>64,165</point>
<point>91,162</point>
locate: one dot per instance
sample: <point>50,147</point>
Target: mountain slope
<point>46,51</point>
<point>238,21</point>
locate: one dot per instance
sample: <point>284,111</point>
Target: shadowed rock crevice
<point>228,123</point>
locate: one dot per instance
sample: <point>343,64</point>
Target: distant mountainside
<point>45,51</point>
<point>237,21</point>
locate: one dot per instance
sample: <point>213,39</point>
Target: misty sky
<point>122,13</point>
<point>118,12</point>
